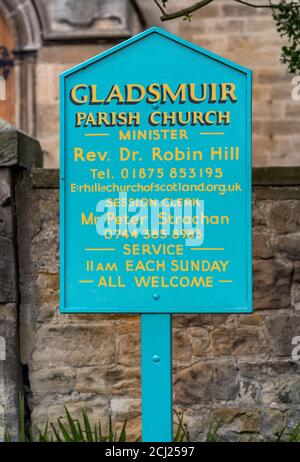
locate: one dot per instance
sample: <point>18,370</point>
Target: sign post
<point>156,195</point>
<point>156,347</point>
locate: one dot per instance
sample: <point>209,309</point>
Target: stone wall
<point>17,150</point>
<point>234,368</point>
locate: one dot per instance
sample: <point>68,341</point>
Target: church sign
<point>156,181</point>
<point>156,169</point>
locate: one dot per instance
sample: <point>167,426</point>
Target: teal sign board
<point>156,180</point>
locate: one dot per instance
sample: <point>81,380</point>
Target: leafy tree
<point>286,14</point>
<point>287,18</point>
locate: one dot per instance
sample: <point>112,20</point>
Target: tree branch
<point>198,5</point>
<point>181,13</point>
<point>159,6</point>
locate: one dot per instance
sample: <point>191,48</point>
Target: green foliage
<point>23,436</point>
<point>287,18</point>
<point>188,17</point>
<point>291,436</point>
<point>6,438</point>
<point>212,434</point>
<point>22,431</point>
<point>181,433</point>
<point>69,429</point>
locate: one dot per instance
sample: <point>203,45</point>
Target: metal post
<point>156,349</point>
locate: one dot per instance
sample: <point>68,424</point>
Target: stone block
<point>18,148</point>
<point>200,341</point>
<point>52,380</point>
<point>287,244</point>
<point>74,345</point>
<point>242,341</point>
<point>285,216</point>
<point>129,348</point>
<point>182,345</point>
<point>261,247</point>
<point>109,381</point>
<point>206,383</point>
<point>282,329</point>
<point>272,280</point>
